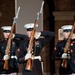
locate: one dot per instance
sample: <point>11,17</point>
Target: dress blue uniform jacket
<point>37,49</point>
<point>59,50</point>
<point>13,66</point>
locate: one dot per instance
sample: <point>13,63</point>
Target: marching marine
<point>12,58</point>
<point>40,40</point>
<point>59,54</point>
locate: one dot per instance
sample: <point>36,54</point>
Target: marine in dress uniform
<point>41,39</point>
<point>12,58</point>
<point>59,54</point>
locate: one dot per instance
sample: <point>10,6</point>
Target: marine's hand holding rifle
<point>6,57</point>
<point>28,55</point>
<point>64,56</point>
<point>37,35</point>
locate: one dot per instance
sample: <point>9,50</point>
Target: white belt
<point>37,57</point>
<point>14,57</point>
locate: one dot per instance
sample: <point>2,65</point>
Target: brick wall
<point>7,9</point>
<point>64,5</point>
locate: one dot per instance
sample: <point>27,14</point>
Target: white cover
<point>66,27</point>
<point>6,27</point>
<point>30,25</point>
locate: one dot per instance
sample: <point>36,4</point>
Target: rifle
<point>30,47</point>
<point>7,51</point>
<point>64,62</point>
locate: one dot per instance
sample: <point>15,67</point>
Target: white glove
<point>64,55</point>
<point>27,56</point>
<point>13,35</point>
<point>6,57</point>
<point>73,36</point>
<point>37,35</point>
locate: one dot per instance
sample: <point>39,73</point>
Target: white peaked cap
<point>30,25</point>
<point>6,27</point>
<point>66,27</point>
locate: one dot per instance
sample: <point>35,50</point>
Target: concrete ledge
<point>64,15</point>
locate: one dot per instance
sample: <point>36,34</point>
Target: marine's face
<point>29,33</point>
<point>6,34</point>
<point>66,34</point>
